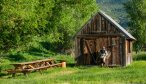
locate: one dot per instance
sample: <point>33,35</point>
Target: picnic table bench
<point>38,65</point>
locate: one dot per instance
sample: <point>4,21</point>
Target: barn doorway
<point>88,51</point>
<point>90,48</point>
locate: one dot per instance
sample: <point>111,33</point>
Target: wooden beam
<point>98,35</point>
<point>90,52</point>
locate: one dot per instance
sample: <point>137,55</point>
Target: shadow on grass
<point>36,52</point>
<point>17,57</point>
<point>3,74</point>
<point>55,46</point>
<point>45,48</point>
<point>88,66</point>
<point>71,65</point>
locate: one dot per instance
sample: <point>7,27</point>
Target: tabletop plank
<point>32,62</point>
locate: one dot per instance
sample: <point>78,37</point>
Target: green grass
<point>132,74</point>
<point>135,73</point>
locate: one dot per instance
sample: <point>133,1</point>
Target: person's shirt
<point>103,52</point>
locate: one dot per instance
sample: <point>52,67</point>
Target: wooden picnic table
<point>33,64</point>
<point>26,67</point>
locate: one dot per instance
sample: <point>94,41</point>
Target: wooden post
<point>81,51</point>
<point>25,73</point>
<point>123,51</point>
<point>13,74</point>
<point>64,64</point>
<point>40,72</point>
<point>100,22</point>
<point>113,48</point>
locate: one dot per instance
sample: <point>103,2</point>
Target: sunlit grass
<point>132,74</point>
<point>135,73</point>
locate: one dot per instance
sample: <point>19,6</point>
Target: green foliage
<point>68,17</point>
<point>140,56</point>
<point>21,21</point>
<point>136,10</point>
<point>52,21</point>
<point>4,64</point>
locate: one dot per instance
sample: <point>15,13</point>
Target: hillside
<point>115,9</point>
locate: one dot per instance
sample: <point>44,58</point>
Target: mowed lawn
<point>132,74</point>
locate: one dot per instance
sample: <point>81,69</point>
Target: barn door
<point>90,44</point>
<point>88,52</point>
<point>115,45</point>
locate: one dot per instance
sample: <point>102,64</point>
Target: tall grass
<point>139,56</point>
<point>132,74</point>
<point>135,73</point>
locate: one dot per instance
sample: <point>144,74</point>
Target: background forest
<point>42,25</point>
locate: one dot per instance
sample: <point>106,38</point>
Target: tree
<point>136,10</point>
<point>68,17</point>
<point>52,21</point>
<point>21,20</point>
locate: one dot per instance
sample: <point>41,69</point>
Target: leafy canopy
<point>52,21</point>
<point>136,10</point>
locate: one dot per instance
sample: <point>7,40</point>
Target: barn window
<point>113,42</point>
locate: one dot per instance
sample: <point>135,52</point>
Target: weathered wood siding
<point>95,34</point>
<point>98,24</point>
<point>128,50</point>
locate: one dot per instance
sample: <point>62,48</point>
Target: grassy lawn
<point>132,74</point>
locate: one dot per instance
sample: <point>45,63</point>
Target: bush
<point>140,56</point>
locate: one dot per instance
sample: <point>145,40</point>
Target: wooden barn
<point>102,31</point>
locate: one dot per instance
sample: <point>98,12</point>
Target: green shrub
<point>139,56</point>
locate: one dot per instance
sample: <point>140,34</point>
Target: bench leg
<point>40,72</point>
<point>25,74</point>
<point>13,74</point>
